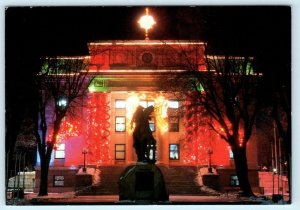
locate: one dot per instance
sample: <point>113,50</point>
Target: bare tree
<point>228,90</point>
<point>61,83</point>
<point>282,117</point>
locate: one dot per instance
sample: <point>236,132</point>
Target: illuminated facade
<point>126,74</point>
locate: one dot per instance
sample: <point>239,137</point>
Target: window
<point>58,181</point>
<point>173,124</point>
<point>173,104</point>
<point>150,103</point>
<point>143,104</point>
<point>120,151</point>
<point>230,154</point>
<point>146,104</point>
<point>120,124</point>
<point>174,152</point>
<point>152,151</point>
<point>234,180</point>
<point>60,151</point>
<point>152,124</point>
<point>147,57</point>
<point>120,104</point>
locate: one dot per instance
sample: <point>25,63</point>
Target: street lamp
<point>84,152</point>
<point>209,152</point>
<point>146,22</point>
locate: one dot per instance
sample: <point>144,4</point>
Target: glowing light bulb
<point>146,22</point>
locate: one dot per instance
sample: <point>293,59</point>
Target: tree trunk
<point>241,167</point>
<point>44,176</point>
<point>289,163</point>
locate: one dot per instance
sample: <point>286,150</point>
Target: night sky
<point>264,32</point>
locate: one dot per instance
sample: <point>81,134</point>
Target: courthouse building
<point>125,74</point>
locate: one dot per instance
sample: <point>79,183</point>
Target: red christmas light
<point>98,128</point>
<point>70,127</point>
<point>198,138</point>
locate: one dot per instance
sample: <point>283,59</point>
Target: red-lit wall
<point>130,56</point>
<point>73,151</point>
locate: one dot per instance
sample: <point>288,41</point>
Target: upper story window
<point>173,124</point>
<point>120,104</point>
<point>60,151</point>
<point>143,104</point>
<point>120,124</point>
<point>173,104</point>
<point>150,103</point>
<point>146,104</point>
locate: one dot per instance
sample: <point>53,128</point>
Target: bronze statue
<point>143,140</point>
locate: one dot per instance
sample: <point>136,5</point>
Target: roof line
<point>147,42</point>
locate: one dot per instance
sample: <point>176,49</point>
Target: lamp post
<point>146,22</point>
<point>84,152</point>
<point>209,152</point>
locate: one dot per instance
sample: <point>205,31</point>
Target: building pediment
<point>145,54</point>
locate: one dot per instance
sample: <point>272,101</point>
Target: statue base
<point>142,182</point>
<point>83,180</point>
<point>211,180</point>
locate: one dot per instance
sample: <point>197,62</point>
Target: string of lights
<point>69,128</point>
<point>198,139</point>
<point>98,133</point>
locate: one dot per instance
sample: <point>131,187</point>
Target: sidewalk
<point>71,199</point>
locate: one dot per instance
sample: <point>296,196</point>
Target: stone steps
<point>181,179</point>
<point>178,179</point>
<point>108,181</point>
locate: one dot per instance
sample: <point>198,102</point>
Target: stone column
<point>129,149</point>
<point>165,147</point>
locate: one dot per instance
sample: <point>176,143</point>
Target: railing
<point>15,165</point>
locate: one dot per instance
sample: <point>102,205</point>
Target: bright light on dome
<point>146,22</point>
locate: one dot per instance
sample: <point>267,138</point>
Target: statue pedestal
<point>142,181</point>
<point>83,180</point>
<point>211,180</point>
